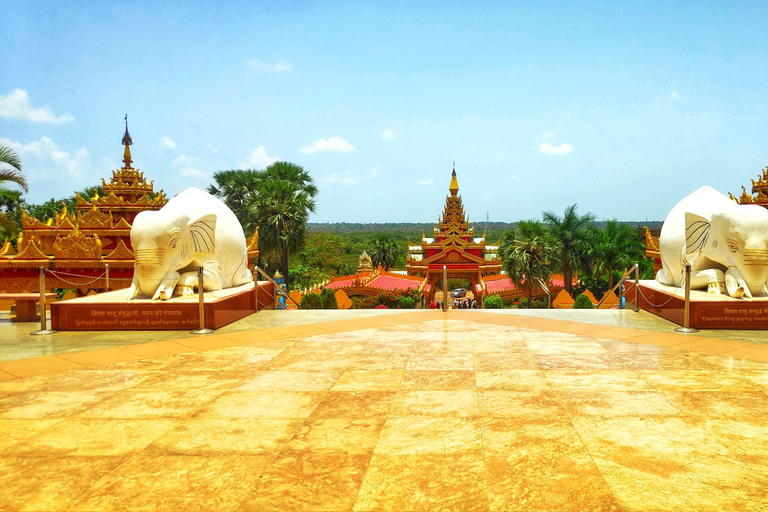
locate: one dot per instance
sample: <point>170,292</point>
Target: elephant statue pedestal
<point>707,310</point>
<point>112,311</point>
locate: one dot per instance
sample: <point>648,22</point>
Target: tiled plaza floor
<point>411,411</point>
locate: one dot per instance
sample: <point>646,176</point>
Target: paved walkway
<point>468,410</point>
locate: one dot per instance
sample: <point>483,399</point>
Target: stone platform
<point>112,312</point>
<point>708,311</point>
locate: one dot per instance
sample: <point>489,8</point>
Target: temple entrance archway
<point>453,246</point>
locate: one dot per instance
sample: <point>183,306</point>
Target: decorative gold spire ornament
<point>127,142</point>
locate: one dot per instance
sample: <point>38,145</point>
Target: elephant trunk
<point>755,268</point>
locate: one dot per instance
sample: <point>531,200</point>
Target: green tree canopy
<point>384,251</point>
<point>527,254</point>
<point>614,247</point>
<point>572,233</point>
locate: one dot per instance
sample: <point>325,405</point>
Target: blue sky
<point>623,110</point>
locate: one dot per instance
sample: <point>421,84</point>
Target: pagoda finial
<point>454,188</point>
<point>127,142</point>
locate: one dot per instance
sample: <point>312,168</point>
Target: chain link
<point>657,305</point>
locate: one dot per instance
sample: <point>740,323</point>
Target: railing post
<point>637,288</point>
<point>686,329</point>
<point>200,292</point>
<point>106,273</point>
<point>43,316</point>
<point>445,288</point>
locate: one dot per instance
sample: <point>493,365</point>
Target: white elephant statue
<point>193,229</point>
<point>725,243</point>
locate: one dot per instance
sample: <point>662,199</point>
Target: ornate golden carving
<point>31,252</point>
<point>29,222</point>
<point>121,252</point>
<point>94,218</point>
<point>77,246</point>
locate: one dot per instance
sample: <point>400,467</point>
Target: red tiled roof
<point>498,285</point>
<point>335,285</point>
<point>394,283</point>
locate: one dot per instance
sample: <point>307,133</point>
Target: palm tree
<point>293,173</point>
<point>616,246</point>
<point>282,209</point>
<point>236,188</point>
<point>385,251</point>
<point>9,158</point>
<point>528,253</point>
<point>571,231</point>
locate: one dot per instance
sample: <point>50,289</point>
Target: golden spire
<point>127,142</point>
<point>454,188</point>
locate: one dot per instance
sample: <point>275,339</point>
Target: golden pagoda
<point>454,246</point>
<point>77,246</point>
<point>759,195</point>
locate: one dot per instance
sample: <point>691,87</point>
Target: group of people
<point>457,304</point>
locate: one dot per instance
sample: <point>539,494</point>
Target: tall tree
<point>571,231</point>
<point>282,209</point>
<point>614,247</point>
<point>385,251</point>
<point>10,172</point>
<point>236,188</point>
<point>528,253</point>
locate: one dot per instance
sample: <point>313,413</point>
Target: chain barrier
<point>58,275</point>
<point>658,305</point>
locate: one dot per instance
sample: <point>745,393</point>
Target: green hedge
<point>493,302</point>
<point>583,302</point>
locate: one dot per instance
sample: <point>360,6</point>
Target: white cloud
<point>674,96</point>
<point>168,143</point>
<point>17,106</point>
<point>389,134</point>
<point>263,66</point>
<point>548,149</point>
<point>333,145</point>
<point>373,173</point>
<point>43,160</point>
<point>192,172</point>
<point>351,178</point>
<point>425,182</point>
<point>513,177</point>
<point>214,151</point>
<point>258,159</point>
<point>184,160</point>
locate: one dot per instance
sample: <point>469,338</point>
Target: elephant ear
<point>696,232</point>
<point>203,231</point>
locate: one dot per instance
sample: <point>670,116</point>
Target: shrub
<point>523,304</point>
<point>311,301</point>
<point>493,302</point>
<point>407,303</point>
<point>363,302</point>
<point>328,299</point>
<point>583,302</point>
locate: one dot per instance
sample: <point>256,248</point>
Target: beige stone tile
<point>6,376</point>
<point>541,466</point>
<point>347,435</point>
<point>290,381</point>
<point>525,404</point>
<point>566,382</point>
<point>48,404</point>
<point>700,380</point>
<point>513,380</point>
<point>170,482</point>
<point>618,403</point>
<point>505,361</point>
<point>14,430</point>
<point>669,463</point>
<point>263,404</point>
<point>308,480</point>
<point>748,406</point>
<point>156,349</point>
<point>92,437</point>
<point>436,403</point>
<point>99,357</point>
<point>424,482</point>
<point>17,385</point>
<point>354,404</point>
<point>37,366</point>
<point>415,435</point>
<point>152,404</point>
<point>450,362</point>
<point>226,436</point>
<point>92,380</point>
<point>212,342</point>
<point>369,380</point>
<point>438,380</point>
<point>49,483</point>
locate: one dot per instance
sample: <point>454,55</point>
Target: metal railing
<point>277,286</point>
<point>636,302</point>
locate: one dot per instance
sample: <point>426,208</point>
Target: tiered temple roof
<point>83,242</point>
<point>759,195</point>
<point>453,244</point>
